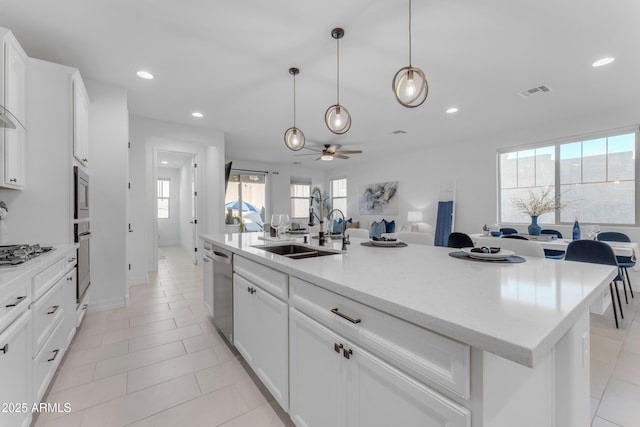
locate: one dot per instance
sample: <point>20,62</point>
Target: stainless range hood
<point>9,121</point>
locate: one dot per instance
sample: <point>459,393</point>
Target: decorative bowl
<point>496,233</point>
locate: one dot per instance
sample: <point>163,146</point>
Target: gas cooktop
<point>17,254</point>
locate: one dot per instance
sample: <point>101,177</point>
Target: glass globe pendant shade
<point>294,139</point>
<point>337,119</point>
<point>410,86</point>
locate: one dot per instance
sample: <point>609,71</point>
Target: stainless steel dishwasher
<point>222,260</point>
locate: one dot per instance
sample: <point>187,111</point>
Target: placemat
<point>397,245</point>
<point>513,259</point>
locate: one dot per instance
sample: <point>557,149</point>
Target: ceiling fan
<point>330,151</point>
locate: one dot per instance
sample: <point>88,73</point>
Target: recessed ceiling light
<point>603,61</point>
<point>144,75</point>
<point>164,162</point>
<point>452,110</point>
<point>197,114</point>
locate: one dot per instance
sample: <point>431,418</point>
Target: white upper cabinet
<point>13,98</point>
<point>80,121</point>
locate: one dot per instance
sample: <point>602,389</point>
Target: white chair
<point>415,237</point>
<point>520,247</point>
<point>357,232</point>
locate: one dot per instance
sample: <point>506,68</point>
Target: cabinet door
<point>15,371</point>
<point>318,377</point>
<point>380,395</point>
<point>69,296</point>
<point>273,344</point>
<point>208,285</point>
<point>80,121</point>
<point>14,101</point>
<point>244,320</point>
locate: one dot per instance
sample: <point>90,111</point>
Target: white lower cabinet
<point>261,335</point>
<point>336,383</point>
<point>16,371</point>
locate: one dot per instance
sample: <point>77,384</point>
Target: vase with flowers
<point>536,204</point>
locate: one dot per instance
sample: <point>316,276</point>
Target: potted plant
<point>536,204</point>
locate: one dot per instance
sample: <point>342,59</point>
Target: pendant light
<point>409,84</point>
<point>337,118</point>
<point>293,137</point>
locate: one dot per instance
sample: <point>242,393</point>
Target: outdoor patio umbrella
<point>235,205</point>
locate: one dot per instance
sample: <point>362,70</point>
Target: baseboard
<point>106,304</point>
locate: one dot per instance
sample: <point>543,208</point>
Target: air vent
<point>398,132</point>
<point>539,89</point>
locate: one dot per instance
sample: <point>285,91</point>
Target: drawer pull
<point>84,307</point>
<point>16,302</point>
<point>55,354</point>
<point>347,353</point>
<point>71,260</point>
<point>70,278</point>
<point>337,347</point>
<point>251,290</point>
<point>344,316</point>
<point>54,308</point>
<point>5,349</point>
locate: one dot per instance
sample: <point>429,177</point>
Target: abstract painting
<point>381,198</point>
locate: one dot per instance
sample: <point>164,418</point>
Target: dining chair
<point>553,253</point>
<point>520,247</point>
<point>415,237</point>
<point>514,236</point>
<point>597,252</point>
<point>459,240</point>
<point>508,230</point>
<point>624,262</point>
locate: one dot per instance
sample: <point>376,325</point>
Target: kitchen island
<point>490,344</point>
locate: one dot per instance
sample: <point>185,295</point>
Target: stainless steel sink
<point>293,251</point>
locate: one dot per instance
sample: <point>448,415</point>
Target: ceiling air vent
<point>539,89</point>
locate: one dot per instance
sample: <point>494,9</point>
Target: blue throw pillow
<point>390,227</point>
<point>377,228</point>
<point>336,226</point>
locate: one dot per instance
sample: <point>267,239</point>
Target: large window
<point>300,194</point>
<point>163,198</point>
<point>339,194</point>
<point>246,197</point>
<point>594,178</point>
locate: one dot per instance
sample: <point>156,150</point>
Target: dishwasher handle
<point>220,257</point>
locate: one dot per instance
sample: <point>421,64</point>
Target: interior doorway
<point>176,200</point>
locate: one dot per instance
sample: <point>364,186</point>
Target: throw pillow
<point>337,226</point>
<point>377,228</point>
<point>390,226</point>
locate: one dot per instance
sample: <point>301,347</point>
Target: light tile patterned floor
<point>160,362</point>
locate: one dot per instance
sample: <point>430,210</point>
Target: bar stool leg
<point>626,272</point>
<point>615,285</point>
<point>613,303</point>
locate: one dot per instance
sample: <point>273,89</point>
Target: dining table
<point>630,249</point>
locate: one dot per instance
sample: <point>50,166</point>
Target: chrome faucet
<point>312,214</point>
<point>345,238</point>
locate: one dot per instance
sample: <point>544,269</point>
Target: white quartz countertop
<point>517,311</point>
<point>9,274</point>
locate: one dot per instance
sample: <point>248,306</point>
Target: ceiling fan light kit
<point>410,84</point>
<point>337,118</point>
<point>294,137</point>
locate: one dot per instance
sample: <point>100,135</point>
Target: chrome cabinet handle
<point>55,354</point>
<point>344,316</point>
<point>16,302</point>
<point>53,309</point>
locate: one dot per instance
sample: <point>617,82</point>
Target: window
<point>163,198</point>
<point>246,197</point>
<point>339,194</point>
<point>300,194</point>
<point>595,178</point>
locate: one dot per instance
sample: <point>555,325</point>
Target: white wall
<point>185,228</point>
<point>472,165</point>
<point>169,229</point>
<point>148,136</point>
<point>108,138</point>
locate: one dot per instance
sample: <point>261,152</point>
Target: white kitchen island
<point>412,336</point>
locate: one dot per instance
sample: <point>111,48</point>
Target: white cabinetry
<point>261,324</point>
<point>336,381</point>
<point>80,121</point>
<point>15,371</point>
<point>13,71</point>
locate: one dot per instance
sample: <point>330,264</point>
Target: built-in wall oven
<point>82,232</point>
<point>81,194</point>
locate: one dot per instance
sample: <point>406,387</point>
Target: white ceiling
<point>172,159</point>
<point>230,60</point>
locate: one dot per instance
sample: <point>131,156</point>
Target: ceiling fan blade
<point>349,152</point>
<point>340,156</point>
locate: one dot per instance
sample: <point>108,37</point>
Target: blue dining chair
<point>508,230</point>
<point>624,262</point>
<point>597,252</point>
<point>553,253</point>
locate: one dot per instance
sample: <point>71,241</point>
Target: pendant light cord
<point>338,71</point>
<point>409,33</point>
<point>294,100</point>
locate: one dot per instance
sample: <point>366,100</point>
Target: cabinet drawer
<point>270,280</point>
<point>425,355</point>
<point>46,362</point>
<point>15,298</point>
<point>47,312</point>
<point>46,278</point>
